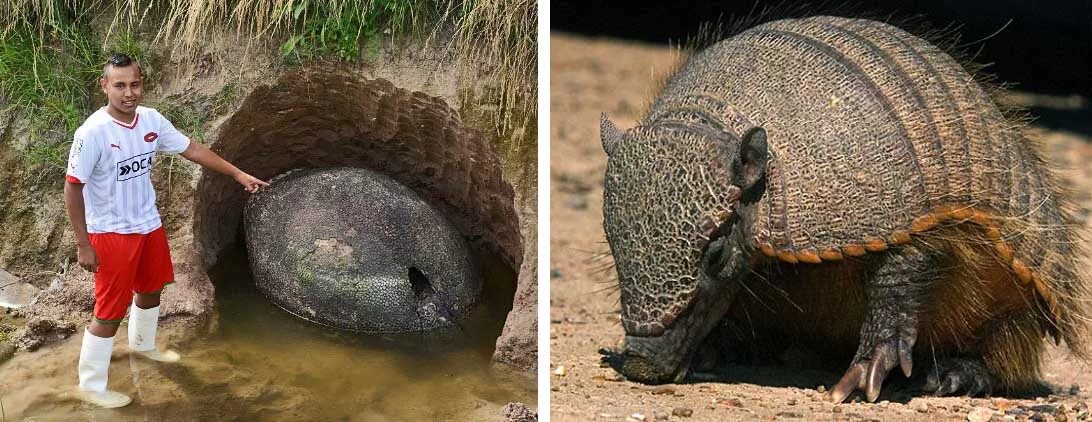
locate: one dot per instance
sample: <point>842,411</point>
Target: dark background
<point>1047,47</point>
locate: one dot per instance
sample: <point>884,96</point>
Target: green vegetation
<point>51,50</point>
<point>501,34</point>
<point>50,74</point>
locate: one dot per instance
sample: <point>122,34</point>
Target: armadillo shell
<point>869,128</point>
<point>355,250</point>
<point>873,134</point>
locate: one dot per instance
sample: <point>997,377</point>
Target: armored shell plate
<point>355,250</point>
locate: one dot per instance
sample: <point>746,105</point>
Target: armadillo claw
<point>960,376</point>
<point>869,374</point>
<point>851,381</point>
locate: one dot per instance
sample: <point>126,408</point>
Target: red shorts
<point>129,263</point>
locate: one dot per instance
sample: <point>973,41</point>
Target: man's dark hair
<point>119,60</point>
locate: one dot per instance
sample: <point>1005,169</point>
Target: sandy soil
<point>590,76</point>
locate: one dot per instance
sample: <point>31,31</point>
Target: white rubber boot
<point>142,328</point>
<point>93,366</point>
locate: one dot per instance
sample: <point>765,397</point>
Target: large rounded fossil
<point>353,249</point>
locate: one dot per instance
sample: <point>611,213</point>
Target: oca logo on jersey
<point>134,166</point>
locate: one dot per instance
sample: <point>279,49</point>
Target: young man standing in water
<point>119,236</point>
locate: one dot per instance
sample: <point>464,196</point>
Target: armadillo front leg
<point>894,292</point>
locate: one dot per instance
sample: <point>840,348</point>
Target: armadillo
<point>843,186</point>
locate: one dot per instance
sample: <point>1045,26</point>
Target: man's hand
<point>200,154</point>
<point>250,183</point>
<point>88,259</point>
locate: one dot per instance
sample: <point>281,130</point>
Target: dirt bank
<point>591,75</point>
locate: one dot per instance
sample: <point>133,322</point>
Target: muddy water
<point>259,363</point>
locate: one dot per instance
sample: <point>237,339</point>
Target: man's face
<point>122,86</point>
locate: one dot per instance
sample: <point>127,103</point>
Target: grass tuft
<point>501,34</point>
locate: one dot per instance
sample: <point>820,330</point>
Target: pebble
<point>660,415</point>
<point>555,273</point>
<point>980,414</point>
<point>836,409</point>
<point>614,377</point>
<point>682,412</point>
<point>1074,389</point>
<point>821,388</point>
<point>1044,408</point>
<point>790,415</point>
<point>920,405</point>
<point>560,371</point>
<point>7,350</point>
<point>732,402</point>
<point>577,201</point>
<point>663,390</point>
<point>1017,411</point>
<point>792,402</point>
<point>636,417</point>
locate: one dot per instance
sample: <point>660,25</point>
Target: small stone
<point>613,377</point>
<point>790,415</point>
<point>577,201</point>
<point>682,412</point>
<point>555,388</point>
<point>663,390</point>
<point>518,412</point>
<point>821,388</point>
<point>7,350</point>
<point>1045,408</point>
<point>730,402</point>
<point>792,402</point>
<point>1074,389</point>
<point>636,417</point>
<point>920,406</point>
<point>555,273</point>
<point>1039,417</point>
<point>560,371</point>
<point>1017,411</point>
<point>980,414</point>
<point>660,415</point>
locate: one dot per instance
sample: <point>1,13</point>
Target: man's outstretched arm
<point>200,154</point>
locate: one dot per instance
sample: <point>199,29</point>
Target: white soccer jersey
<point>114,162</point>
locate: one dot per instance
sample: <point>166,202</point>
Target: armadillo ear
<point>750,169</point>
<point>609,134</point>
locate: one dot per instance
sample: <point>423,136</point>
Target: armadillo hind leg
<point>954,376</point>
<point>895,292</point>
